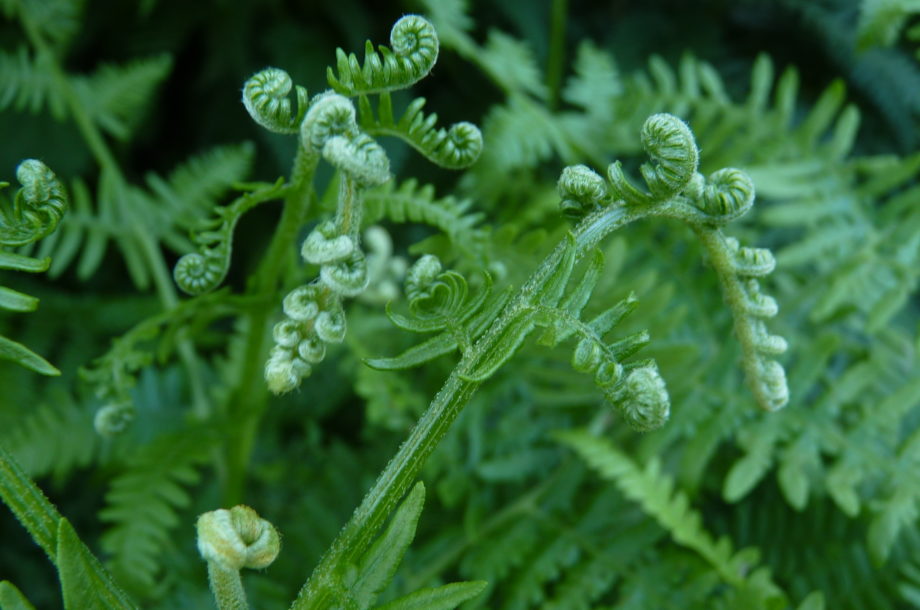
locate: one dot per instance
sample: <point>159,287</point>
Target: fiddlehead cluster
<point>314,315</point>
<point>676,189</point>
<point>266,96</point>
<point>414,43</point>
<point>37,207</point>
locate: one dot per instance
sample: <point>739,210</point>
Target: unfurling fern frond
<point>266,98</point>
<point>414,52</point>
<point>454,148</point>
<point>37,207</point>
<point>670,144</point>
<point>203,271</point>
<point>724,196</point>
<point>34,213</point>
<point>440,300</point>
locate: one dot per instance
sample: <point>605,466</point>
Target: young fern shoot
<point>34,213</point>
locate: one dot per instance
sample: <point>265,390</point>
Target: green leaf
<point>22,355</point>
<point>379,563</point>
<point>84,584</point>
<point>446,597</point>
<point>417,354</point>
<point>12,599</point>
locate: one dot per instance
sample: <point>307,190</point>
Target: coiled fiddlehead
<point>669,142</point>
<point>457,147</point>
<point>35,212</point>
<point>199,272</point>
<point>266,96</point>
<point>581,190</point>
<point>37,207</point>
<point>330,114</point>
<point>726,195</point>
<point>414,43</point>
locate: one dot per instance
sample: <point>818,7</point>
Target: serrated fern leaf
<point>143,502</point>
<point>197,184</point>
<point>54,438</point>
<point>654,491</point>
<point>27,85</point>
<point>410,202</point>
<point>117,95</point>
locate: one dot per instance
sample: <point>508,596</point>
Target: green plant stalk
<point>96,143</point>
<point>227,587</point>
<point>320,591</point>
<point>251,396</point>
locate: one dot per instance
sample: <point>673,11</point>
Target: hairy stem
<point>251,397</point>
<point>227,587</point>
<point>325,584</point>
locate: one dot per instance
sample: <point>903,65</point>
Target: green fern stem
<point>326,583</point>
<point>250,396</point>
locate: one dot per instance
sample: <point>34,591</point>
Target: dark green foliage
<point>540,492</point>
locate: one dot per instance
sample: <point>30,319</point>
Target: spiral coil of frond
<point>37,207</point>
<point>414,43</point>
<point>266,96</point>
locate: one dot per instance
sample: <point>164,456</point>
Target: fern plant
<point>569,360</point>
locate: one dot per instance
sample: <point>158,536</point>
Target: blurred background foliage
<point>826,490</point>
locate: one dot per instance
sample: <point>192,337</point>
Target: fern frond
<point>410,202</point>
<point>58,20</point>
<point>117,95</point>
<point>54,438</point>
<point>203,271</point>
<point>143,502</point>
<point>414,52</point>
<point>511,63</point>
<point>455,148</point>
<point>654,491</point>
<point>27,85</point>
